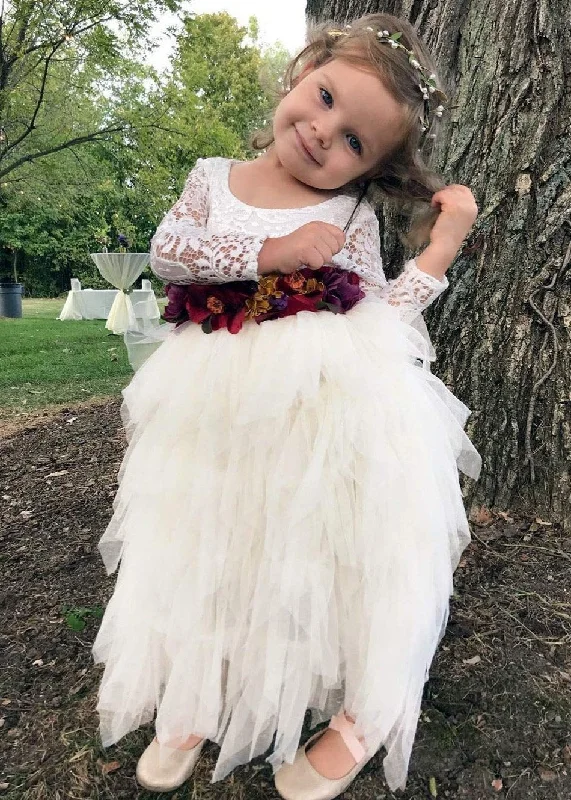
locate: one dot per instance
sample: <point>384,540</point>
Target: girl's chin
<point>305,172</point>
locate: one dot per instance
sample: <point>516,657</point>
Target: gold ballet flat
<point>173,769</point>
<point>301,781</point>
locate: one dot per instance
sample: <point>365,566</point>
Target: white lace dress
<point>289,515</point>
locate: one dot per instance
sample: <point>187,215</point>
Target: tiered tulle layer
<point>288,521</point>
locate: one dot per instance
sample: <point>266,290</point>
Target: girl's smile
<point>304,148</point>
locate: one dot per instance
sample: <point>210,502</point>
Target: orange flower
<point>296,280</point>
<point>215,305</point>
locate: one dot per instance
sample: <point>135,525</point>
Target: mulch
<point>496,710</point>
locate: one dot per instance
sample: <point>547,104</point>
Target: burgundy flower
<point>341,288</point>
<point>175,310</point>
<point>216,306</point>
<point>295,303</point>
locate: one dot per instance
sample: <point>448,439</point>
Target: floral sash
<point>228,305</point>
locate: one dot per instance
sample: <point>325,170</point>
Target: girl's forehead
<point>360,95</point>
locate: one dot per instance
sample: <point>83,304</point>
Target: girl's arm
<point>183,252</point>
<point>411,292</point>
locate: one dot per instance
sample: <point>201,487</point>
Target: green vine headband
<point>427,80</point>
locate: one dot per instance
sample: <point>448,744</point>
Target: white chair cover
<point>70,310</point>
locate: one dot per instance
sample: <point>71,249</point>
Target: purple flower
<point>341,288</point>
<point>123,241</point>
<point>279,303</point>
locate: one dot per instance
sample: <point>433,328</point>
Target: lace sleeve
<point>183,252</point>
<point>412,291</point>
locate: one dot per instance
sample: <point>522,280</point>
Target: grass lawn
<point>47,362</point>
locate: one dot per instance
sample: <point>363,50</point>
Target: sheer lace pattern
<point>182,251</point>
<point>209,236</point>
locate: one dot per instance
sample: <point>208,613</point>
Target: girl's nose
<point>322,133</point>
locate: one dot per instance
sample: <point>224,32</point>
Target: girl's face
<point>336,125</point>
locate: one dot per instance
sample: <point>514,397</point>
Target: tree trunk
<point>502,330</point>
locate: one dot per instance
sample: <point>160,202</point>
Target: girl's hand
<point>458,212</point>
<point>313,245</point>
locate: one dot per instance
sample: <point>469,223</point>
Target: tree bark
<point>502,330</point>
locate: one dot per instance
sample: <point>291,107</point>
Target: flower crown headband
<point>427,80</point>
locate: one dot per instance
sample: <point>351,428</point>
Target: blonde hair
<point>404,175</point>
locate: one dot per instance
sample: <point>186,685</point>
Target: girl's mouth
<point>305,149</point>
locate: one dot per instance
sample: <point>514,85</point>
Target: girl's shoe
<point>301,781</point>
<point>175,767</point>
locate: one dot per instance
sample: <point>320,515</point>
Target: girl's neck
<point>265,183</point>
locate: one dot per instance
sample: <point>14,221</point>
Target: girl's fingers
<point>333,231</point>
<point>339,237</point>
<point>314,258</point>
<point>330,241</point>
<point>455,195</point>
<point>325,248</point>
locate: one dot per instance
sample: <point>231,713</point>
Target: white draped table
<point>97,303</point>
<point>120,307</point>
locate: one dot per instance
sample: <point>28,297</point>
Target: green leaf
<point>207,325</point>
<point>329,306</point>
<point>74,622</point>
<point>395,36</point>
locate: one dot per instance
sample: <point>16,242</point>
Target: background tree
<point>57,60</point>
<point>51,51</point>
<point>502,330</point>
<point>56,208</point>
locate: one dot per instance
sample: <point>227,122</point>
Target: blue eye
<point>354,143</point>
<point>326,97</point>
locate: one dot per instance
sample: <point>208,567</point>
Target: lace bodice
<point>209,236</point>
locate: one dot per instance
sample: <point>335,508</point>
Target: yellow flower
<point>268,286</point>
<point>258,304</point>
<point>313,285</point>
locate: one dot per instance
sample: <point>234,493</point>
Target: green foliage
<point>112,141</point>
<point>56,56</point>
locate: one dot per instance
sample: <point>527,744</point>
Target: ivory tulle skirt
<point>288,521</point>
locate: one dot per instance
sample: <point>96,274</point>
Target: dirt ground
<point>496,716</point>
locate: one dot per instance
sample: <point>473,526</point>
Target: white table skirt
<point>96,304</point>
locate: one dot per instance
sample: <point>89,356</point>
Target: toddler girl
<point>289,515</point>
